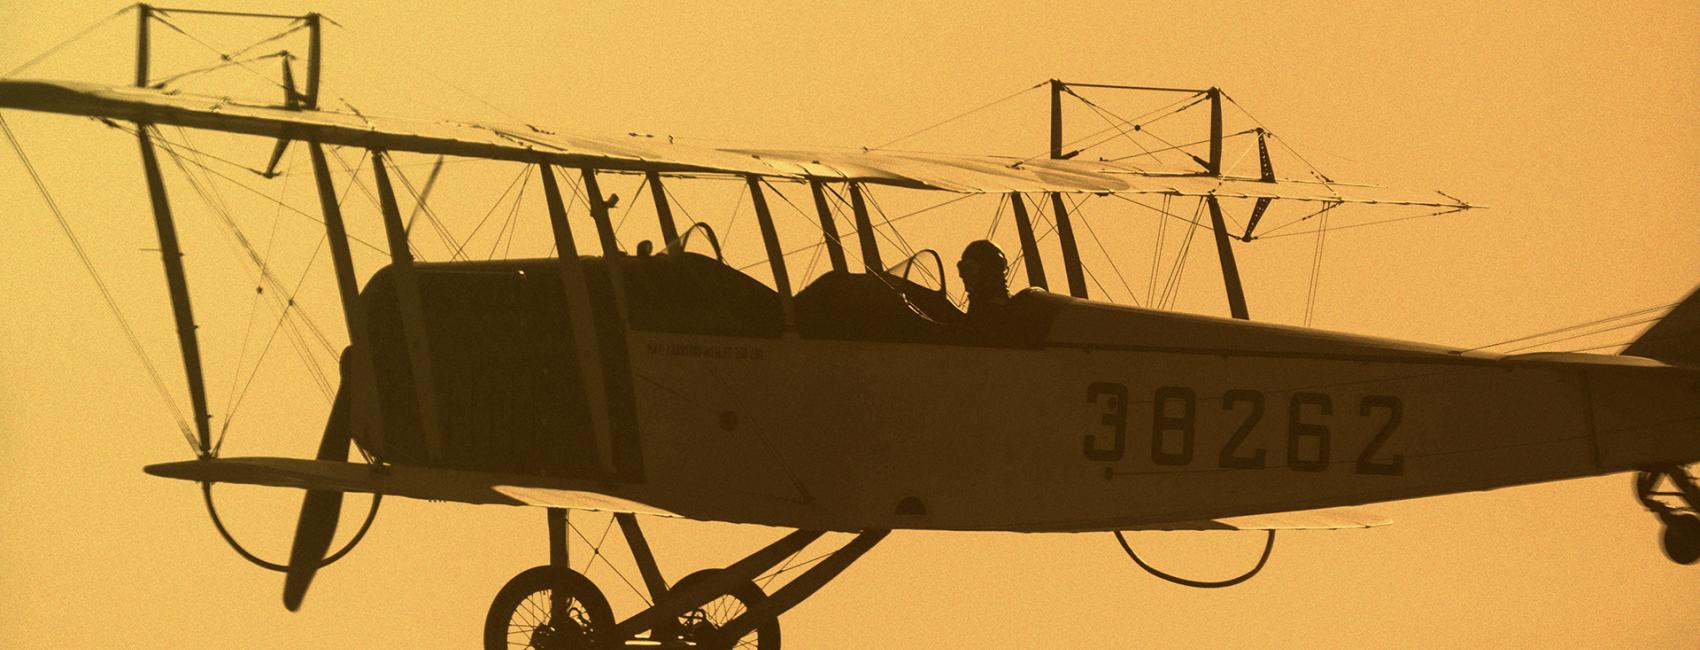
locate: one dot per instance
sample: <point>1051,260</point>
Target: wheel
<point>520,616</point>
<point>1682,538</point>
<point>701,626</point>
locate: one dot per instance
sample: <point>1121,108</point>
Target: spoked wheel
<point>548,609</point>
<point>701,627</point>
<point>1682,538</point>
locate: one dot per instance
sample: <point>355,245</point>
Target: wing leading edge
<point>951,173</point>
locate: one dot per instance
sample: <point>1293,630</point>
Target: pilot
<point>983,268</point>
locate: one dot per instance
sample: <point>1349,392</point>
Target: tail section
<point>1675,339</point>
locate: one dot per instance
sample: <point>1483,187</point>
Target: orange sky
<point>1574,122</point>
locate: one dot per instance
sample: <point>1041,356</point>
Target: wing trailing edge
<point>1341,518</point>
<point>411,482</point>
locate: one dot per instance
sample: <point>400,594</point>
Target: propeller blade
<point>319,511</point>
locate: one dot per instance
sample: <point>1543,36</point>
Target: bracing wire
<point>105,291</point>
<point>1316,266</point>
<point>959,116</point>
<point>1102,249</point>
<point>1157,255</point>
<point>224,56</point>
<point>254,307</point>
<point>1183,104</point>
<point>524,172</point>
<point>1171,288</point>
<point>1571,328</point>
<point>62,44</point>
<point>292,209</point>
<point>630,205</point>
<point>1572,337</point>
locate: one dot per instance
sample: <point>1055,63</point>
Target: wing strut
<point>865,231</point>
<point>584,329</point>
<point>1029,246</point>
<point>1224,249</point>
<point>172,255</point>
<point>828,227</point>
<point>1230,268</point>
<point>1071,253</point>
<point>663,210</point>
<point>412,310</point>
<point>1266,175</point>
<point>365,408</point>
<point>775,254</point>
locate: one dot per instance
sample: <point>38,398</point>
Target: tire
<point>1682,538</point>
<point>519,616</point>
<point>700,627</point>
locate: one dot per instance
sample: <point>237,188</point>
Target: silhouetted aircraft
<point>667,383</point>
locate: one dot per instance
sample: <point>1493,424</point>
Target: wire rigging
<point>959,116</point>
<point>1157,255</point>
<point>1570,328</point>
<point>1106,251</point>
<point>105,292</point>
<point>1171,288</point>
<point>62,44</point>
<point>524,172</point>
<point>1316,264</point>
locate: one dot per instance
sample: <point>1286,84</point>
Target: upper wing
<point>1318,519</point>
<point>413,482</point>
<point>965,174</point>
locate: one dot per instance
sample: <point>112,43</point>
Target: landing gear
<point>1682,538</point>
<point>548,608</point>
<point>554,607</point>
<point>1682,524</point>
<point>700,627</point>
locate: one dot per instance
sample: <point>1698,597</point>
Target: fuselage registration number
<point>1309,442</point>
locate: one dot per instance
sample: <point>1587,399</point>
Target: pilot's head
<point>983,267</point>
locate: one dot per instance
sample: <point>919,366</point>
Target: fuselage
<point>855,408</point>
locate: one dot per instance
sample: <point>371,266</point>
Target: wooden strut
<point>799,589</point>
<point>589,353</point>
<point>663,210</point>
<point>775,254</point>
<point>558,558</point>
<point>695,595</point>
<point>1029,246</point>
<point>865,231</point>
<point>1070,253</point>
<point>609,240</point>
<point>1224,247</point>
<point>365,409</point>
<point>144,16</point>
<point>412,311</point>
<point>1056,119</point>
<point>558,546</point>
<point>828,227</point>
<point>178,284</point>
<point>645,558</point>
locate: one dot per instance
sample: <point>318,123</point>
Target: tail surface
<point>1675,339</point>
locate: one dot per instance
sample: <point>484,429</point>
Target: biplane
<point>663,382</point>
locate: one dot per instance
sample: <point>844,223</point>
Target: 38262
<point>1310,441</point>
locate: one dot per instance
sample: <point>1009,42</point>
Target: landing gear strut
<point>554,607</point>
<point>1682,524</point>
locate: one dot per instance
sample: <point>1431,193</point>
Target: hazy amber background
<point>1576,122</point>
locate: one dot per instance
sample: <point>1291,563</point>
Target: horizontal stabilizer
<point>411,482</point>
<point>1319,519</point>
